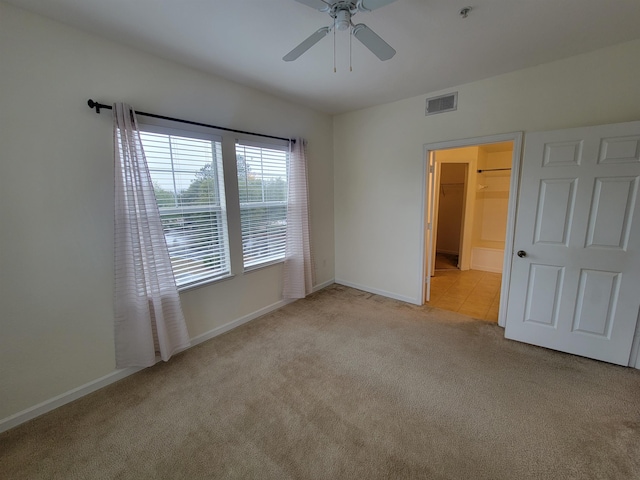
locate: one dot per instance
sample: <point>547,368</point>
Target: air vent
<point>443,103</point>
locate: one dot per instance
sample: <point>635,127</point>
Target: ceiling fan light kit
<point>342,12</point>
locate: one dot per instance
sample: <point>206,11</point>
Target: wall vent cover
<point>443,103</point>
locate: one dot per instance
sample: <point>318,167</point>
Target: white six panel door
<point>576,286</point>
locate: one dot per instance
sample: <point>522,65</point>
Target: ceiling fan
<point>342,11</point>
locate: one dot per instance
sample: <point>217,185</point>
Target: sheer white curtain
<point>148,316</point>
<point>298,268</point>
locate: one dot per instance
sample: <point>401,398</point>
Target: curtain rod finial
<point>93,104</point>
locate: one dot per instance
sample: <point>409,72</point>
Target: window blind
<point>188,182</point>
<point>262,188</point>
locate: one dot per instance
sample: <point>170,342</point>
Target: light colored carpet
<point>347,385</point>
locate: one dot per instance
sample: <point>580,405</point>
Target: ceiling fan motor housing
<point>343,19</point>
<point>342,13</point>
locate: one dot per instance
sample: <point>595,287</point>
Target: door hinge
<point>430,168</point>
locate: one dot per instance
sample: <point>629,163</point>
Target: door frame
<point>428,196</point>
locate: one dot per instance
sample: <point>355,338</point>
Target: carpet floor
<point>346,385</point>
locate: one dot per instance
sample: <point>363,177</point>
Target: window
<point>186,170</point>
<point>262,188</point>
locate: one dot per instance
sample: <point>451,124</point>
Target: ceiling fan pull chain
<point>350,49</point>
<point>334,49</point>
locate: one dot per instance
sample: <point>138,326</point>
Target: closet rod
<point>98,106</point>
<point>492,169</point>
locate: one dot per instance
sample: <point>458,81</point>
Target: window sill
<point>204,283</point>
<point>260,266</point>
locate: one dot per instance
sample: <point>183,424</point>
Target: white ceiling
<point>245,40</point>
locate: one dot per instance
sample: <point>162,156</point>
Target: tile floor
<point>470,292</point>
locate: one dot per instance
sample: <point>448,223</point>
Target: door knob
<point>522,253</point>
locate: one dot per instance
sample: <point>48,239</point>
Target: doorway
<point>450,216</point>
<point>468,202</point>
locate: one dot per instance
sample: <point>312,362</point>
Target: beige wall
<point>379,164</point>
<point>56,255</point>
<point>492,200</point>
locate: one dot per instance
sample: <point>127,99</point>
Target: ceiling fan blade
<point>373,42</point>
<point>368,5</point>
<point>307,44</point>
<point>317,4</point>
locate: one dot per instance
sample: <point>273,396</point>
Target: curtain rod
<point>492,169</point>
<point>98,106</point>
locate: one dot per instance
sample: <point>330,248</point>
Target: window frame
<point>229,175</point>
<point>283,147</point>
<point>161,128</point>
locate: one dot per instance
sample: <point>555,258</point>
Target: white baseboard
<point>64,398</point>
<point>384,293</point>
<point>487,259</point>
<point>485,268</point>
<point>237,322</point>
<point>320,286</point>
<point>87,388</point>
